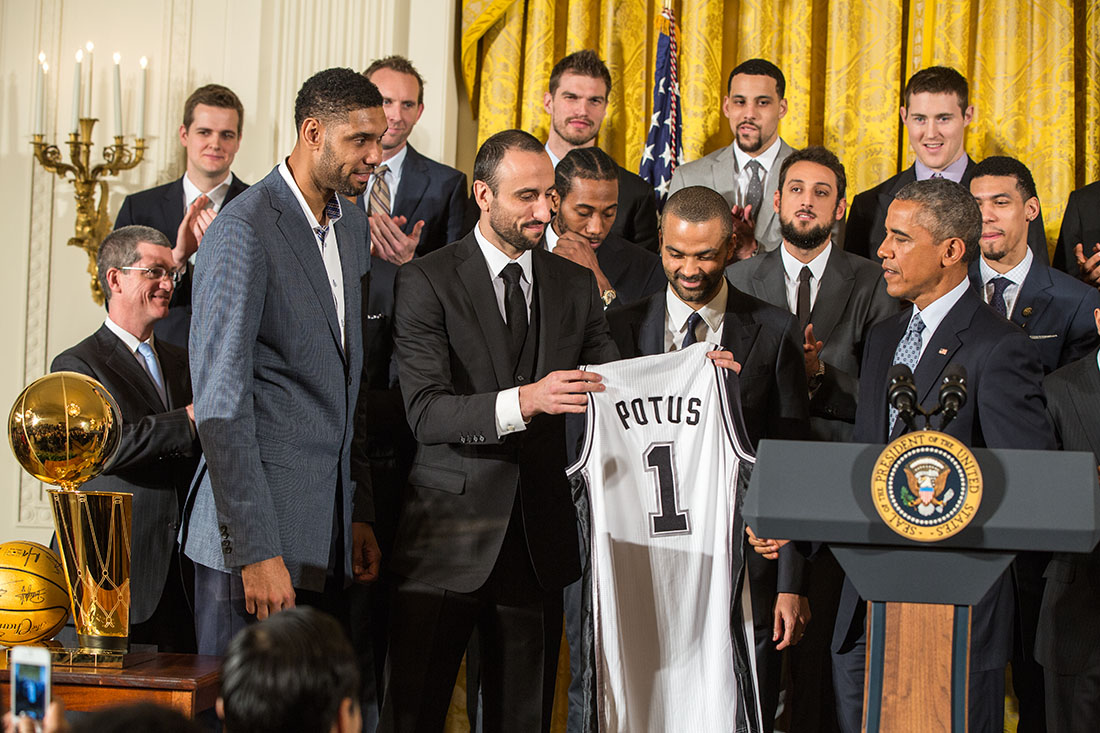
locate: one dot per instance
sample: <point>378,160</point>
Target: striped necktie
<point>380,192</point>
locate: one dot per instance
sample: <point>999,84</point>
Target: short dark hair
<point>938,80</point>
<point>760,67</point>
<point>822,156</point>
<point>1002,165</point>
<point>590,163</point>
<point>581,63</point>
<point>119,249</point>
<point>401,65</point>
<point>698,204</point>
<point>492,152</point>
<point>142,717</point>
<point>947,209</point>
<point>289,672</point>
<point>331,94</point>
<point>213,95</point>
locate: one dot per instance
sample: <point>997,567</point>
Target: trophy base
<point>94,659</point>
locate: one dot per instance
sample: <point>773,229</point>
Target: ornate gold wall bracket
<point>92,222</point>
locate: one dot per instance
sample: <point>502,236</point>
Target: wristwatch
<point>607,296</point>
<point>815,379</point>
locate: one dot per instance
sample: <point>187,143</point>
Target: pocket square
<point>1037,336</point>
<point>375,316</point>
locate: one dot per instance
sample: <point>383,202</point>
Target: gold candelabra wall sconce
<point>92,220</point>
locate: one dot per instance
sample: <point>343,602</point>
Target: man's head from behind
<point>402,90</point>
<point>136,271</point>
<point>586,194</point>
<point>340,122</point>
<point>932,233</point>
<point>293,671</point>
<point>936,113</point>
<point>810,197</point>
<point>754,104</point>
<point>696,226</point>
<point>213,117</point>
<point>513,181</point>
<point>577,98</point>
<point>1005,192</point>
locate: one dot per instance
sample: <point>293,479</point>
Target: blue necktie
<point>1000,284</point>
<point>146,352</point>
<point>690,338</point>
<point>907,353</point>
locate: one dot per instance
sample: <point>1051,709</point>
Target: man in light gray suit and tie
<point>276,353</point>
<point>746,172</point>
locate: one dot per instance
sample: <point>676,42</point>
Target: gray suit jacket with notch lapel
<point>274,388</point>
<point>717,171</point>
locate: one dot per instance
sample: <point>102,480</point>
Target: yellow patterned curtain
<point>1033,67</point>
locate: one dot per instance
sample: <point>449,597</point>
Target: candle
<point>45,85</point>
<point>118,95</point>
<point>38,96</point>
<point>76,92</point>
<point>141,99</point>
<point>88,95</point>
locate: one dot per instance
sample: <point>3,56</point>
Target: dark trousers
<point>769,661</point>
<point>812,703</point>
<point>1027,673</point>
<point>172,626</point>
<point>986,692</point>
<point>1073,701</point>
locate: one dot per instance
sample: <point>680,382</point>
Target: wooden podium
<point>920,593</point>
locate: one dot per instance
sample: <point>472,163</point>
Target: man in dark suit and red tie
<point>150,382</point>
<point>933,230</point>
<point>489,332</point>
<point>213,117</point>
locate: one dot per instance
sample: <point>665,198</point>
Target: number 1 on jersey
<point>660,460</point>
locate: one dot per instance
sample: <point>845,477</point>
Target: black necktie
<point>693,323</point>
<point>515,306</point>
<point>754,193</point>
<point>1000,284</point>
<point>803,301</point>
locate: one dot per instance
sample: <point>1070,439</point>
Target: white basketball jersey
<point>661,461</point>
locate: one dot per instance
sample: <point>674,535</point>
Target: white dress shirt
<point>553,158</point>
<point>953,172</point>
<point>132,342</point>
<point>394,166</point>
<point>677,313</point>
<point>330,253</point>
<point>766,159</point>
<point>792,268</point>
<point>216,195</point>
<point>1015,276</point>
<point>509,417</point>
<point>934,313</point>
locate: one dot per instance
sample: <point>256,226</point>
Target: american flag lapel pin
<point>943,352</point>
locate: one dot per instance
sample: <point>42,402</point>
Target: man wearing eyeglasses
<point>150,382</point>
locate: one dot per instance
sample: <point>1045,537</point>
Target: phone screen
<point>30,684</point>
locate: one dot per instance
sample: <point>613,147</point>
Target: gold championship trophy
<point>64,429</point>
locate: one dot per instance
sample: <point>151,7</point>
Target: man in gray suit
<point>837,297</point>
<point>276,354</point>
<point>746,172</point>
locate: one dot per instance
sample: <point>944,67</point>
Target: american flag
<point>663,145</point>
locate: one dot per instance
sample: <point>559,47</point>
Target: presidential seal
<point>926,486</point>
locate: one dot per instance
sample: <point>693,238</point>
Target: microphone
<point>902,393</point>
<point>952,392</point>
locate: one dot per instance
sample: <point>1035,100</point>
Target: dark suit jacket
<point>1068,640</point>
<point>1080,225</point>
<point>1058,312</point>
<point>157,455</point>
<point>772,381</point>
<point>866,225</point>
<point>636,220</point>
<point>434,193</point>
<point>1004,409</point>
<point>161,208</point>
<point>633,272</point>
<point>276,384</point>
<point>452,355</point>
<point>851,299</point>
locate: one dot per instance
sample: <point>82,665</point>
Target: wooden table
<point>186,682</point>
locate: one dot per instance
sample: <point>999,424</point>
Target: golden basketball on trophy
<point>34,597</point>
<point>65,429</point>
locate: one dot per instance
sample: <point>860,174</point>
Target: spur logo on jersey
<point>672,409</point>
<point>926,486</point>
